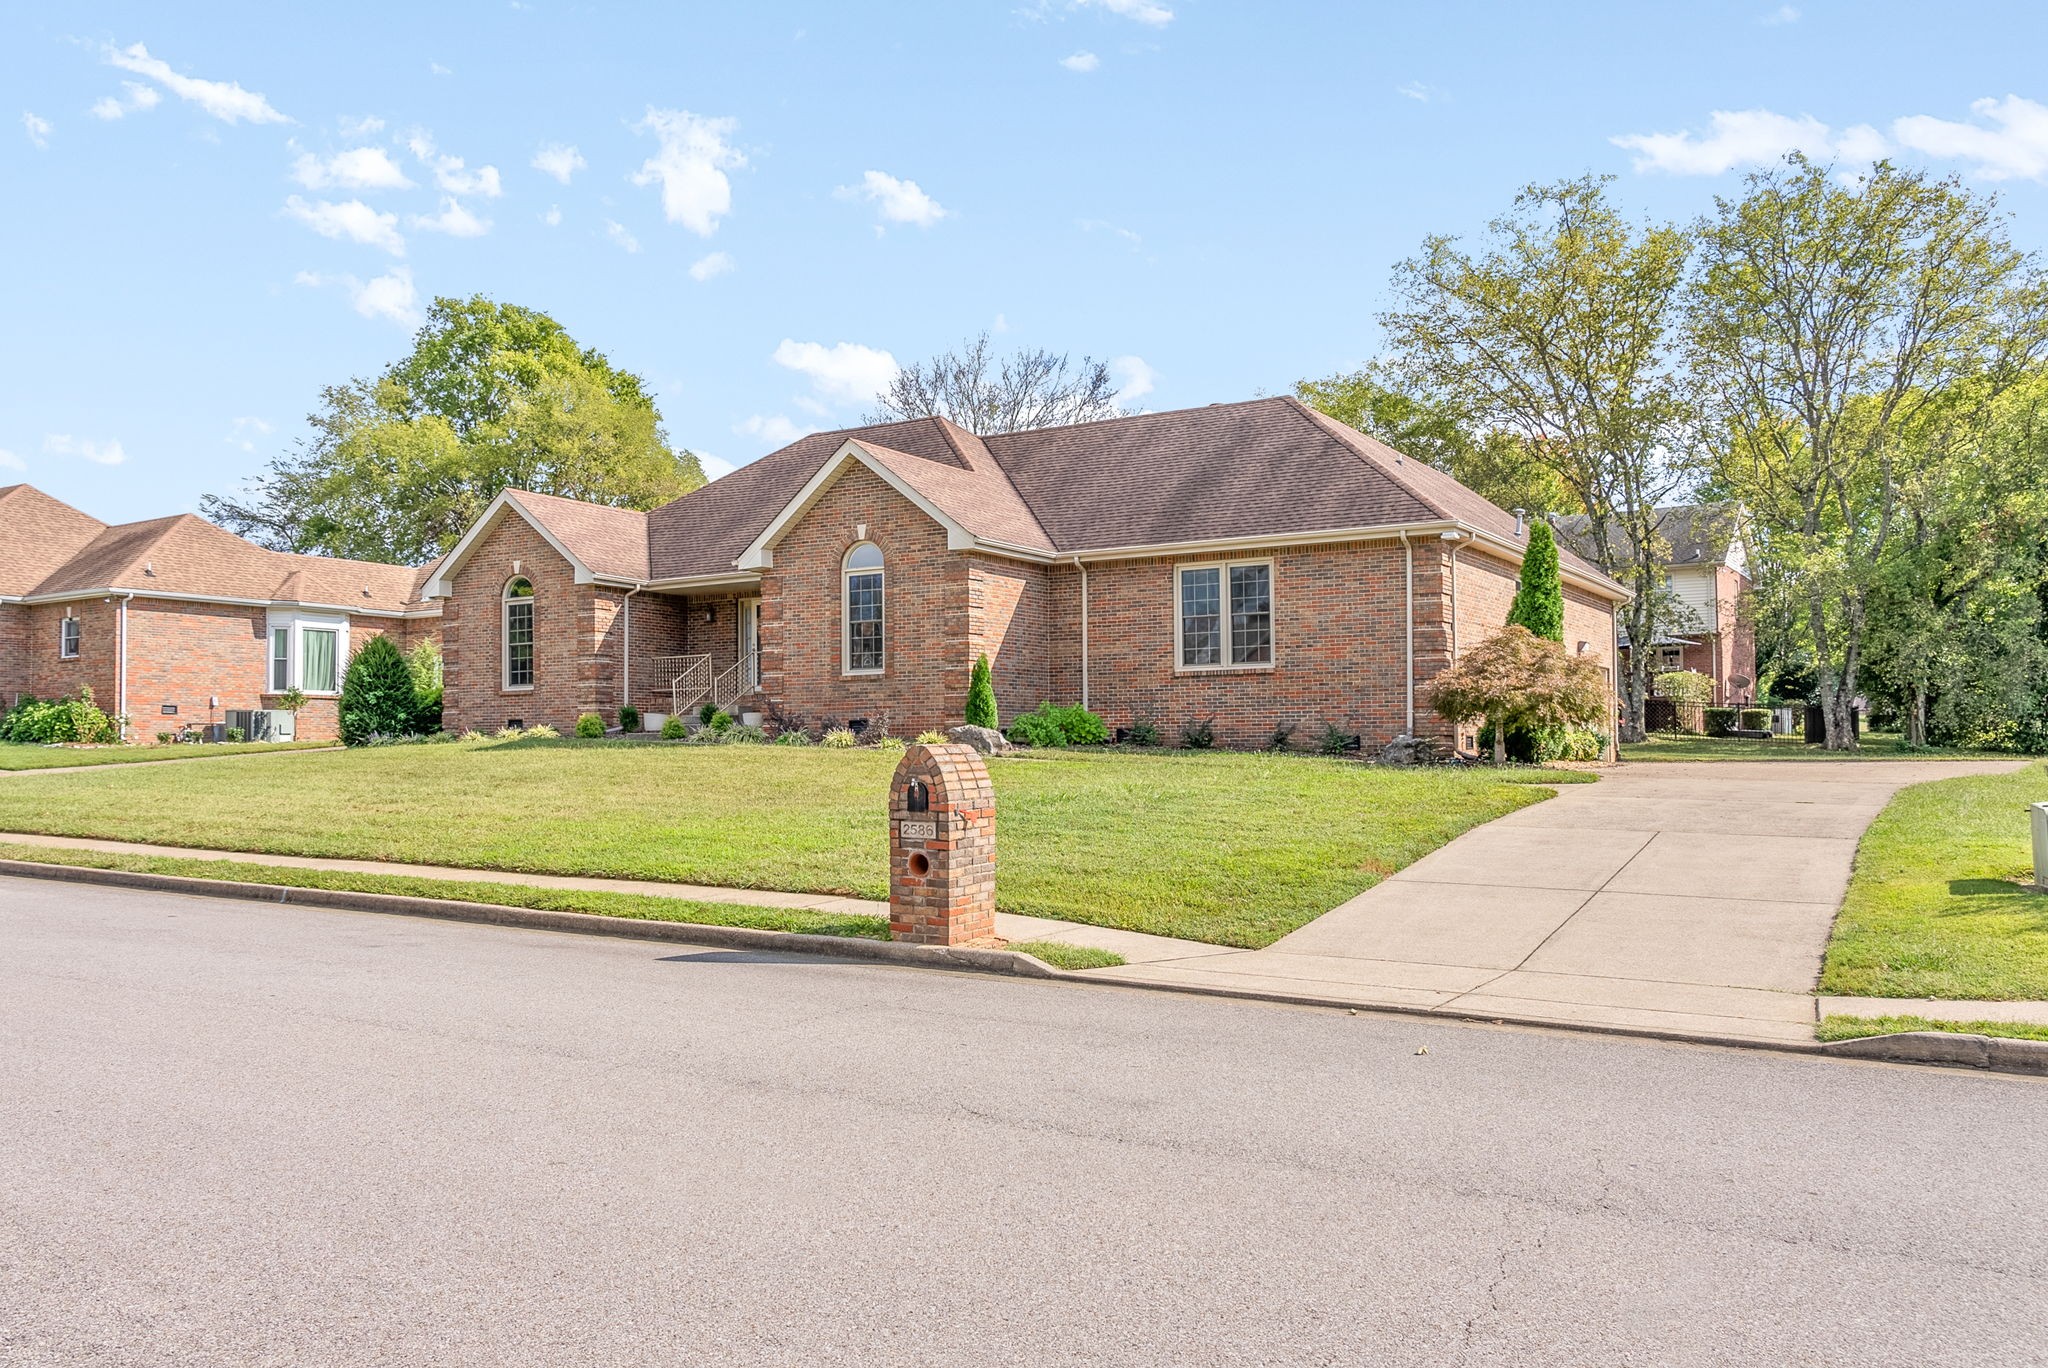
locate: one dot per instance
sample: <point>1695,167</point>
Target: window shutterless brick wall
<point>97,665</point>
<point>926,656</point>
<point>13,652</point>
<point>1010,616</point>
<point>576,637</point>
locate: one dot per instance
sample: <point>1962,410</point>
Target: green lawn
<point>1234,849</point>
<point>20,757</point>
<point>1876,746</point>
<point>1935,907</point>
<point>629,905</point>
<point>1855,1028</point>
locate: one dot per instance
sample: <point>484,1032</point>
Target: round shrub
<point>590,726</point>
<point>629,718</point>
<point>673,729</point>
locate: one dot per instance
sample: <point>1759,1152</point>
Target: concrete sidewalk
<point>1689,899</point>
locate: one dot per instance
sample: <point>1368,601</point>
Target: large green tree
<point>1496,463</point>
<point>1841,326</point>
<point>1560,329</point>
<point>491,396</point>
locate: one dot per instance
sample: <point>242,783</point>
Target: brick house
<point>1253,564</point>
<point>173,621</point>
<point>1707,584</point>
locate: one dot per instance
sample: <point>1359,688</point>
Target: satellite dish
<point>1741,681</point>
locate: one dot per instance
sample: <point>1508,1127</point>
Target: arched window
<point>518,633</point>
<point>862,607</point>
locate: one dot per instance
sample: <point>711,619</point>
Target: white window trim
<point>70,630</point>
<point>846,574</point>
<point>298,624</point>
<point>270,662</point>
<point>505,602</point>
<point>1225,666</point>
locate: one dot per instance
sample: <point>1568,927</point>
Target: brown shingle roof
<point>609,541</point>
<point>184,555</point>
<point>1266,467</point>
<point>37,535</point>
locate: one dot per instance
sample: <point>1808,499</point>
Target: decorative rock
<point>1411,750</point>
<point>987,740</point>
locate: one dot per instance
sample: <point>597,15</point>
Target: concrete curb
<point>1997,1053</point>
<point>579,923</point>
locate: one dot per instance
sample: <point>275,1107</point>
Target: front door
<point>750,645</point>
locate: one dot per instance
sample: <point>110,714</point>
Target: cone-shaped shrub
<point>981,696</point>
<point>377,695</point>
<point>1539,597</point>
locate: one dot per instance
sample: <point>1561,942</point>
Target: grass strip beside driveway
<point>19,756</point>
<point>1936,907</point>
<point>1875,746</point>
<point>1227,848</point>
<point>626,905</point>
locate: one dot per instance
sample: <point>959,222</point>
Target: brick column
<point>942,848</point>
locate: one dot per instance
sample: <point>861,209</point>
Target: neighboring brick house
<point>1252,564</point>
<point>1706,579</point>
<point>173,621</point>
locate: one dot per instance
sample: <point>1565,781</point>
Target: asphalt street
<point>243,1134</point>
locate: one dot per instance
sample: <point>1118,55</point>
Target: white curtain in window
<point>316,672</point>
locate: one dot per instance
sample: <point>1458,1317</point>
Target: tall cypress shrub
<point>981,696</point>
<point>1539,596</point>
<point>377,694</point>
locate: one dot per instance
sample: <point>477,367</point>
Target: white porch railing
<point>737,682</point>
<point>688,679</point>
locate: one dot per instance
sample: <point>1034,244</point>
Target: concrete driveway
<point>1694,899</point>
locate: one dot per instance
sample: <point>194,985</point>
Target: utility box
<point>2038,812</point>
<point>263,724</point>
<point>942,848</point>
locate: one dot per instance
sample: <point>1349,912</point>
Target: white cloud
<point>10,461</point>
<point>350,219</point>
<point>619,233</point>
<point>553,217</point>
<point>1001,325</point>
<point>710,266</point>
<point>1144,11</point>
<point>845,371</point>
<point>558,160</point>
<point>99,453</point>
<point>225,100</point>
<point>1783,14</point>
<point>1105,226</point>
<point>139,97</point>
<point>358,168</point>
<point>2014,146</point>
<point>715,467</point>
<point>777,430</point>
<point>691,166</point>
<point>243,433</point>
<point>389,296</point>
<point>1749,137</point>
<point>449,173</point>
<point>39,128</point>
<point>436,69</point>
<point>359,128</point>
<point>454,220</point>
<point>1081,61</point>
<point>1419,91</point>
<point>1134,379</point>
<point>898,201</point>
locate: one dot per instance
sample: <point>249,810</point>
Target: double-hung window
<point>862,604</point>
<point>518,633</point>
<point>319,670</point>
<point>1225,615</point>
<point>67,639</point>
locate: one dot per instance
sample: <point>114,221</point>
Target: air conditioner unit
<point>263,724</point>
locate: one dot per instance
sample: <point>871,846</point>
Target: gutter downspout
<point>1084,629</point>
<point>626,648</point>
<point>121,675</point>
<point>1408,554</point>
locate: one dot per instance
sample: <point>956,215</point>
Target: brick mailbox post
<point>942,848</point>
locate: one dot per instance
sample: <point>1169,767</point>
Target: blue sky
<point>211,212</point>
